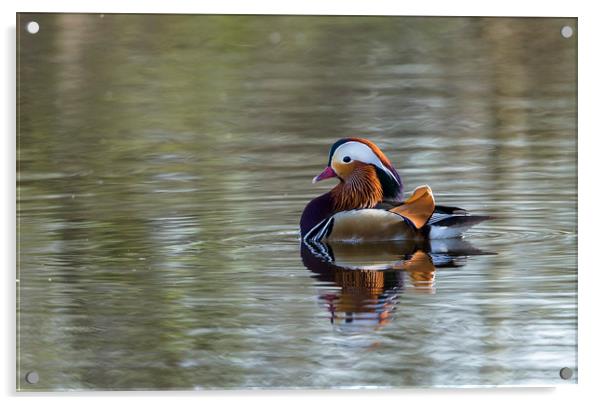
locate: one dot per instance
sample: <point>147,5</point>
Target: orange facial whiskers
<point>361,189</point>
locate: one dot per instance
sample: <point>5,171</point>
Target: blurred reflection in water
<point>163,163</point>
<point>370,276</point>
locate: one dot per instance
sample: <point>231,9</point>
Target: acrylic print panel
<point>164,163</point>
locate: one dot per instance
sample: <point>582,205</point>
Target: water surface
<point>163,163</point>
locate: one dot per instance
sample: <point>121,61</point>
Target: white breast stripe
<point>320,229</point>
<point>324,230</point>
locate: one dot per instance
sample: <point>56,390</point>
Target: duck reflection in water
<point>370,276</point>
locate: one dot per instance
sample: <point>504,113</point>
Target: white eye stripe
<point>360,152</point>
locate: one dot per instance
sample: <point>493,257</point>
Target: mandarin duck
<point>368,204</point>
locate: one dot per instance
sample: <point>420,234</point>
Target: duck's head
<point>359,163</point>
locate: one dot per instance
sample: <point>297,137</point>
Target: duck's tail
<point>451,222</point>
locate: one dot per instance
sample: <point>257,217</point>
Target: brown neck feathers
<point>361,189</point>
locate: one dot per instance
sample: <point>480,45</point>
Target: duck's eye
<point>346,159</point>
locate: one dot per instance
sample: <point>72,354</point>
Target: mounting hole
<point>566,373</point>
<point>566,31</point>
<point>33,27</point>
<point>32,377</point>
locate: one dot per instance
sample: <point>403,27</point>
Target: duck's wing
<point>443,222</point>
<point>451,222</point>
<point>418,208</point>
<point>367,225</point>
<point>446,209</point>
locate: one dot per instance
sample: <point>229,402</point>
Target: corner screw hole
<point>32,377</point>
<point>566,31</point>
<point>566,373</point>
<point>33,27</point>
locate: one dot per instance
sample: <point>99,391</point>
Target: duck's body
<point>367,204</point>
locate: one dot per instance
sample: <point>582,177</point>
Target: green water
<point>163,163</point>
